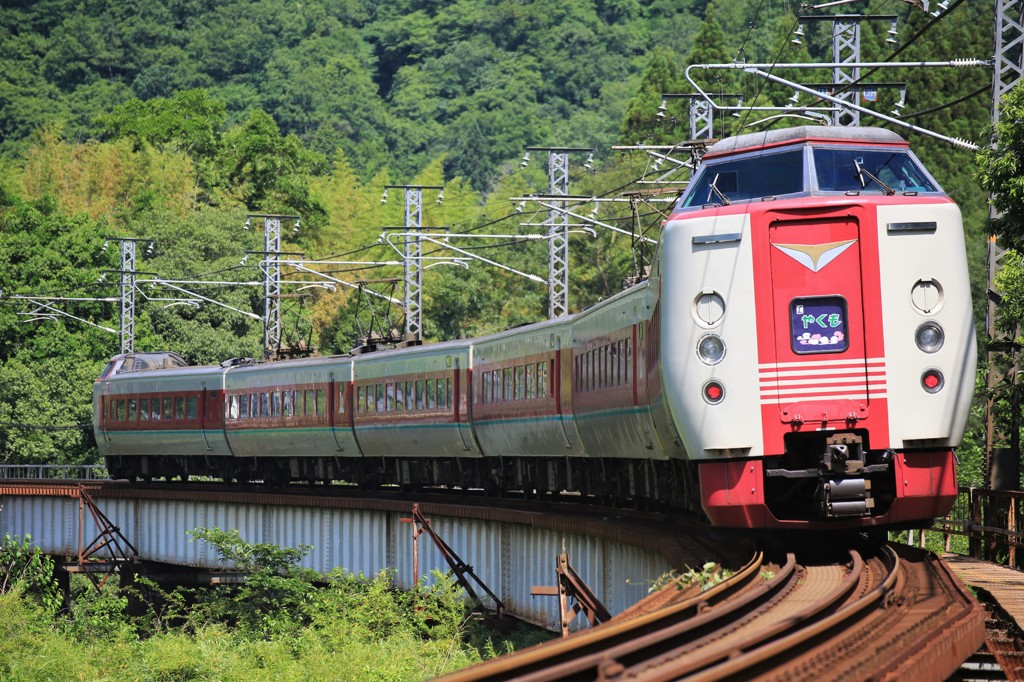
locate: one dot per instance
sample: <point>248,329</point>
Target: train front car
<point>818,352</point>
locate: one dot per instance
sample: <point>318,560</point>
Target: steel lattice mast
<point>558,228</point>
<point>1002,356</point>
<point>127,295</point>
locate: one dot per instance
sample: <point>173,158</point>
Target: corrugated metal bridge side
<point>511,550</point>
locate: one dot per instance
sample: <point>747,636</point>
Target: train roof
<point>772,138</point>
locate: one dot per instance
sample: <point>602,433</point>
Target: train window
<point>506,384</point>
<point>431,394</point>
<point>410,397</point>
<point>133,409</point>
<point>120,410</point>
<point>321,401</point>
<point>286,404</point>
<point>254,406</point>
<point>360,399</point>
<point>613,363</point>
<point>168,408</point>
<point>399,397</point>
<point>264,405</point>
<point>495,386</point>
<point>389,406</point>
<point>379,392</point>
<point>868,170</point>
<point>310,406</point>
<point>341,398</point>
<point>485,387</point>
<point>531,381</point>
<point>818,325</point>
<point>542,380</point>
<point>420,397</point>
<point>144,409</point>
<point>179,407</point>
<point>233,407</point>
<point>520,386</point>
<point>191,407</point>
<point>742,179</point>
<point>275,403</point>
<point>629,359</point>
<point>154,408</point>
<point>243,405</point>
<point>449,403</point>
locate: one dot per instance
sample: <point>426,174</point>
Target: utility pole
<point>1002,434</point>
<point>271,266</point>
<point>128,287</point>
<point>127,295</point>
<point>846,58</point>
<point>558,228</point>
<point>412,270</point>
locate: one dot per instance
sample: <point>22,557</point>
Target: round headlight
<point>929,337</point>
<point>711,349</point>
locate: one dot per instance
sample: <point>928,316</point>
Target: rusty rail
<point>880,613</point>
<point>589,652</point>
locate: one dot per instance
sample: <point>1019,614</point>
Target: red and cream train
<point>802,356</point>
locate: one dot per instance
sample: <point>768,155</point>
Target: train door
<point>634,363</point>
<point>206,404</point>
<point>104,415</point>
<point>336,408</point>
<point>461,403</point>
<point>822,365</point>
<point>562,398</point>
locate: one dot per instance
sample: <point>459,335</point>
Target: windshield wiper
<point>718,192</point>
<point>861,172</point>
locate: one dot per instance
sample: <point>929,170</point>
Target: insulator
<point>966,144</point>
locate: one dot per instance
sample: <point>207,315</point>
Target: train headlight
<point>711,349</point>
<point>929,337</point>
<point>932,380</point>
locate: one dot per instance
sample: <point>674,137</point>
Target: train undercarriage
<point>610,480</point>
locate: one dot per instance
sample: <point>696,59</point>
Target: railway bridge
<point>499,552</point>
<point>863,612</point>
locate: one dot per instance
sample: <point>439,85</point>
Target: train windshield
<point>747,178</point>
<point>870,170</point>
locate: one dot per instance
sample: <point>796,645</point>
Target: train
<point>801,356</point>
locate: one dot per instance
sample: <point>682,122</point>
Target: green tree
<point>267,171</point>
<point>25,568</point>
<point>642,122</point>
<point>1001,169</point>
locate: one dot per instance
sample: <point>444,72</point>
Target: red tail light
<point>714,392</point>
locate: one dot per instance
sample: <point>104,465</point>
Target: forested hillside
<point>170,121</point>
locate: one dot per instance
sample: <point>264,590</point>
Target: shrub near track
<point>282,623</point>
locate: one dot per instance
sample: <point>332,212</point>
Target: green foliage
<point>25,570</point>
<point>1001,170</point>
<point>282,623</point>
<point>706,577</point>
<point>275,597</point>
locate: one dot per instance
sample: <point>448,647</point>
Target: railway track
<point>867,613</point>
